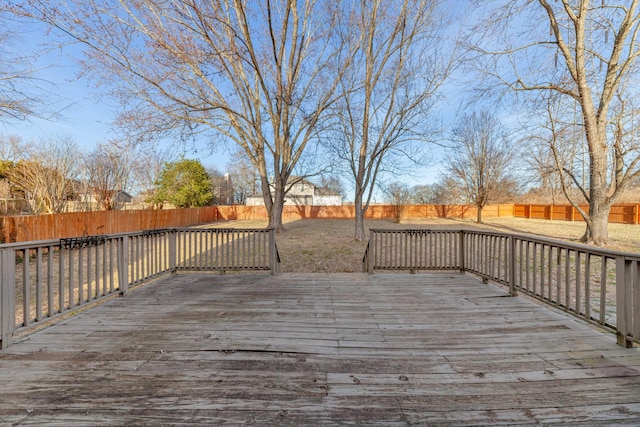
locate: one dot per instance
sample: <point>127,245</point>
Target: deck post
<point>624,301</point>
<point>7,296</point>
<point>273,253</point>
<point>461,252</point>
<point>372,252</point>
<point>512,265</point>
<point>173,253</point>
<point>123,264</point>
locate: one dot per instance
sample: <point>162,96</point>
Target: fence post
<point>624,302</point>
<point>173,253</point>
<point>7,296</point>
<point>123,264</point>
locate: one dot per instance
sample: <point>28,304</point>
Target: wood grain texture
<point>319,349</point>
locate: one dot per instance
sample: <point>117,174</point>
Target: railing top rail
<point>522,236</point>
<point>402,230</point>
<point>225,229</point>
<point>57,242</point>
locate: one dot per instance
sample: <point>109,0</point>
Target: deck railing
<point>597,285</point>
<point>42,280</point>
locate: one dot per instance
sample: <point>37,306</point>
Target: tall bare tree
<point>108,172</point>
<point>260,74</point>
<point>584,51</point>
<point>398,66</point>
<point>481,160</point>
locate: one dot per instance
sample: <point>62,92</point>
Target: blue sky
<point>86,112</point>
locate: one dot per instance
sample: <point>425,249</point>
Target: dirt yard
<point>327,245</point>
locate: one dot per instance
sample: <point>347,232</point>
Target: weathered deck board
<point>392,349</point>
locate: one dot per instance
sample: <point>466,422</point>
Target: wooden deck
<point>291,349</point>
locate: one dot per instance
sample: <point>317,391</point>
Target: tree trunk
<point>597,232</point>
<point>273,202</point>
<point>479,215</point>
<point>359,216</point>
<point>277,206</point>
<point>275,217</point>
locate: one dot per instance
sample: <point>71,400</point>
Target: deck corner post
<point>462,251</point>
<point>173,253</point>
<point>624,301</point>
<point>512,266</point>
<point>273,252</point>
<point>123,265</point>
<point>7,296</point>
<point>372,252</point>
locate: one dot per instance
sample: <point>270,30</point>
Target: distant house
<point>303,193</point>
<point>89,200</point>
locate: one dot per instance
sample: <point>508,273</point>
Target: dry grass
<point>327,245</point>
<point>624,237</point>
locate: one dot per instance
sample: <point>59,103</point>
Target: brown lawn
<point>327,245</point>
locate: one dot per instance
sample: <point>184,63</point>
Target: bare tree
<point>586,52</point>
<point>388,91</point>
<point>332,184</point>
<point>146,169</point>
<point>244,176</point>
<point>481,160</point>
<point>13,148</point>
<point>47,177</point>
<point>398,195</point>
<point>260,74</point>
<point>446,193</point>
<point>108,173</point>
<point>423,194</point>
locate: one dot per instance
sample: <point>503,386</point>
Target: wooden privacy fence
<point>55,226</point>
<point>241,212</point>
<point>42,280</point>
<point>599,286</point>
<point>75,224</point>
<point>620,214</point>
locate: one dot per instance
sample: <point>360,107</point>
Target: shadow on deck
<point>293,349</point>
